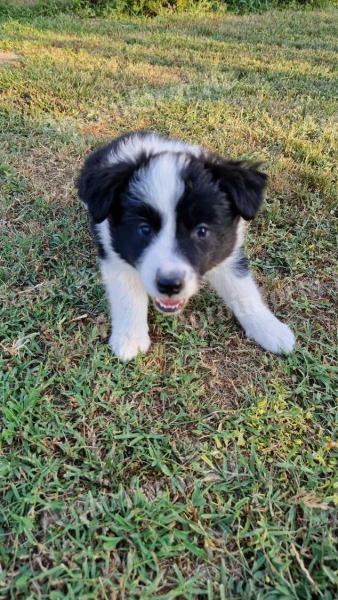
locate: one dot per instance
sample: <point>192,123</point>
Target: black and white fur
<point>164,215</point>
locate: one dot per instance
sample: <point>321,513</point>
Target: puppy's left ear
<point>242,182</point>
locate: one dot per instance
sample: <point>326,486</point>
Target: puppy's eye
<point>145,230</point>
<point>201,231</point>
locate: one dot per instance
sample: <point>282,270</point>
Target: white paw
<point>126,347</point>
<point>271,334</point>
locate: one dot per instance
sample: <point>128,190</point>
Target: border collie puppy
<point>164,215</point>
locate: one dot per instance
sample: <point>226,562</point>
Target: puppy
<point>164,215</point>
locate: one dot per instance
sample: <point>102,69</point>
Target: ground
<point>204,469</point>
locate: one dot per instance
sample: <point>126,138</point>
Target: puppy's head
<point>173,212</point>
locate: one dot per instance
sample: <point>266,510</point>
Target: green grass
<point>206,468</point>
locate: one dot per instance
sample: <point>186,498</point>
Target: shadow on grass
<point>193,68</point>
<point>254,29</point>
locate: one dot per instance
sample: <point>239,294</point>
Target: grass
<point>205,469</point>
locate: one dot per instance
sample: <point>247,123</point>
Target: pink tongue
<point>170,302</point>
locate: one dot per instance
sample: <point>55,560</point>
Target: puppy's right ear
<point>100,184</point>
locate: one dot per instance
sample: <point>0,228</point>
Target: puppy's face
<point>173,216</point>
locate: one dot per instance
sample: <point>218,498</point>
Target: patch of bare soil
<point>8,58</point>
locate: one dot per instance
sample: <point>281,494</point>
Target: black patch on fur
<point>101,184</point>
<point>128,241</point>
<point>241,182</point>
<point>203,202</point>
<point>100,249</point>
<point>241,266</point>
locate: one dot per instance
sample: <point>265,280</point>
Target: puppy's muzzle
<point>169,286</point>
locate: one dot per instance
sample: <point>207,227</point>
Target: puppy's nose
<point>169,284</point>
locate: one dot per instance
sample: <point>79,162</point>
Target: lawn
<point>204,469</point>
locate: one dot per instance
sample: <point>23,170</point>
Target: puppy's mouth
<point>169,305</point>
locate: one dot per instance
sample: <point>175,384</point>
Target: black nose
<point>169,285</point>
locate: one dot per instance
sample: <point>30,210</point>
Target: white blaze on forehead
<point>160,183</point>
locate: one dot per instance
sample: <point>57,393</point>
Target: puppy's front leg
<point>129,307</point>
<point>238,289</point>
